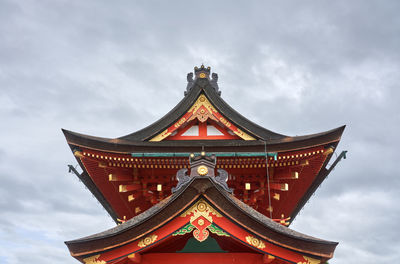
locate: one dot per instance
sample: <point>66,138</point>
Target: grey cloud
<point>108,69</point>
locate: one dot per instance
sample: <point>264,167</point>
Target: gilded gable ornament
<point>202,109</point>
<point>201,221</point>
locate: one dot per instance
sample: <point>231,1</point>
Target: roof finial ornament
<point>202,73</point>
<point>190,83</point>
<point>214,83</point>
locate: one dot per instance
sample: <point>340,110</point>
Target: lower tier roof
<point>231,212</point>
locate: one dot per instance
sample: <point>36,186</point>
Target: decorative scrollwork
<point>201,234</point>
<point>189,228</point>
<point>202,109</point>
<point>184,230</point>
<point>222,179</point>
<point>216,230</point>
<point>201,218</point>
<point>201,208</point>
<point>202,101</point>
<point>255,242</point>
<point>147,240</point>
<point>182,178</point>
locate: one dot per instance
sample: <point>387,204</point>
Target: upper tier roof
<point>203,86</point>
<point>140,141</point>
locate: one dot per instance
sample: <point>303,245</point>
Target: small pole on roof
<point>269,192</point>
<point>202,153</point>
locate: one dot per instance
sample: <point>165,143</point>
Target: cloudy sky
<point>108,68</point>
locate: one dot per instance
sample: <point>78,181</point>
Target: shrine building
<point>203,185</point>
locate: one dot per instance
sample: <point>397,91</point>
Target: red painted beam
<point>202,258</point>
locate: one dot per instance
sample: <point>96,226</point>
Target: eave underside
<point>218,146</point>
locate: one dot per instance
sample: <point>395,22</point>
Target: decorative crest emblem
<point>201,221</point>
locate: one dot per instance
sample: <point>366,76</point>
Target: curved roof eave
<point>202,85</point>
<point>139,139</point>
<point>218,196</point>
<point>169,118</point>
<point>124,146</point>
<point>238,119</point>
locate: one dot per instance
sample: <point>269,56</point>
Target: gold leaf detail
<point>225,122</point>
<point>201,208</point>
<point>200,222</point>
<point>243,135</point>
<point>202,170</point>
<point>93,260</point>
<point>255,242</point>
<point>309,260</point>
<point>161,136</point>
<point>147,240</point>
<point>180,122</point>
<point>202,101</point>
<point>202,115</point>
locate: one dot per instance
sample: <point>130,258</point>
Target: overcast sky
<point>108,68</point>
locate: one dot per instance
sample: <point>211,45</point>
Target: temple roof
<point>203,86</point>
<point>140,141</point>
<point>257,140</point>
<point>128,146</point>
<point>134,177</point>
<point>226,204</point>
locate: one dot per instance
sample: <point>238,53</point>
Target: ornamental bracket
<point>202,166</point>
